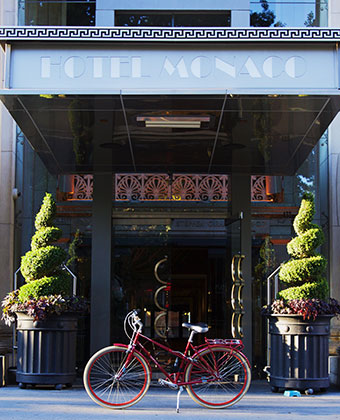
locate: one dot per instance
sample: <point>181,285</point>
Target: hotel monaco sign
<point>99,67</point>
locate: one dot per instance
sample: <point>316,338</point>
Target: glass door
<point>176,271</point>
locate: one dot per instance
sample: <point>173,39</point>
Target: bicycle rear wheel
<point>112,382</point>
<point>224,377</point>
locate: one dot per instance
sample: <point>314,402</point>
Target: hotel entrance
<point>176,270</point>
<point>235,103</point>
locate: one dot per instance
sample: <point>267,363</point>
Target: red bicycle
<point>215,374</point>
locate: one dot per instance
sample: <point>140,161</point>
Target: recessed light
<point>173,121</point>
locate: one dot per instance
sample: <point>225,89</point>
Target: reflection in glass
<point>175,272</point>
<point>168,19</point>
<point>57,12</point>
<point>272,229</point>
<point>280,13</point>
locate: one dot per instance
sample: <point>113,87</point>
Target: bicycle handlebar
<point>136,318</point>
<point>132,319</point>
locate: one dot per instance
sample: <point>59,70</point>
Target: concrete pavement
<point>160,403</point>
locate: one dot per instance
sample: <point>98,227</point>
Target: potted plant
<point>44,308</point>
<point>299,319</point>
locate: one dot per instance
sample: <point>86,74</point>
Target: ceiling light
<point>173,122</point>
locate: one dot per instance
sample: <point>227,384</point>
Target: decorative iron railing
<point>164,187</point>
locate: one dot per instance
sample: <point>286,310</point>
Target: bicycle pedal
<point>163,382</point>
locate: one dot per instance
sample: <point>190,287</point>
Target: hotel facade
<point>178,140</point>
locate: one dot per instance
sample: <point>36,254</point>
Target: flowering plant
<point>308,308</point>
<point>41,307</point>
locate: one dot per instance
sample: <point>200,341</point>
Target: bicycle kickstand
<point>178,395</point>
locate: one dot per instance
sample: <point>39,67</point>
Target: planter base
<point>46,350</point>
<point>317,384</point>
<point>299,352</point>
<point>45,379</point>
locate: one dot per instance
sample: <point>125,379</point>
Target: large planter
<point>299,352</point>
<point>46,350</point>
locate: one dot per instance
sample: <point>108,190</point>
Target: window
<point>169,19</point>
<point>293,13</point>
<point>57,12</point>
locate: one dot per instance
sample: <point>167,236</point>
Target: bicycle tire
<point>234,377</point>
<point>106,390</point>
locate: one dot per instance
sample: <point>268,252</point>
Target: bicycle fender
<point>135,351</point>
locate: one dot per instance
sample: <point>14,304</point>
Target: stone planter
<point>299,352</point>
<point>46,350</point>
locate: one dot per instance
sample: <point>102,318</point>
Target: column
<point>101,230</point>
<point>241,202</point>
<point>101,261</point>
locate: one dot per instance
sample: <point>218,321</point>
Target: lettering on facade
<point>199,67</point>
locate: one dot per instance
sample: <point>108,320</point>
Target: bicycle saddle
<point>199,327</point>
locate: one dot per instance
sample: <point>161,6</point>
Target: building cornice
<point>146,34</point>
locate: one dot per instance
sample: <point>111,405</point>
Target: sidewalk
<point>160,403</point>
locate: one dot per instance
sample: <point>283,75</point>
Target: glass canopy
<point>254,134</point>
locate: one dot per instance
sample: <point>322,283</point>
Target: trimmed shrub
<point>41,267</point>
<point>45,236</point>
<point>46,213</point>
<point>318,288</point>
<point>41,262</point>
<point>304,272</point>
<point>297,271</point>
<point>304,218</point>
<point>58,284</point>
<point>306,243</point>
<point>48,286</point>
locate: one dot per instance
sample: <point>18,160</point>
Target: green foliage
<point>73,247</point>
<point>304,272</point>
<point>304,218</point>
<point>46,213</point>
<point>296,271</point>
<point>81,122</point>
<point>318,288</point>
<point>41,267</point>
<point>41,262</point>
<point>46,286</point>
<point>267,259</point>
<point>305,244</point>
<point>264,18</point>
<point>45,236</point>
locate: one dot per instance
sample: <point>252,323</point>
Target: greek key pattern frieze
<point>51,33</point>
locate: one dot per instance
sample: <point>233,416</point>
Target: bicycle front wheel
<point>222,377</point>
<point>114,382</point>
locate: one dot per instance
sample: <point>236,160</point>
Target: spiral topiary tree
<point>42,265</point>
<point>304,272</point>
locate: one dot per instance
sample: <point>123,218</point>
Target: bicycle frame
<point>174,378</point>
<point>215,374</point>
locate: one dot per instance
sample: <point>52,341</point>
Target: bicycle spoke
<point>113,381</point>
<point>224,377</point>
